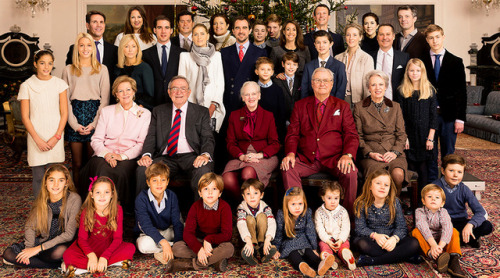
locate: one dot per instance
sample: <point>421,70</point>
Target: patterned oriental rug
<point>16,200</point>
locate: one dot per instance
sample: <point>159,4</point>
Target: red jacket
<point>335,136</point>
<point>265,137</point>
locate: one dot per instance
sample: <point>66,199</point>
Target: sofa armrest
<point>472,109</point>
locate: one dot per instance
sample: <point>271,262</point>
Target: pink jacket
<point>114,135</point>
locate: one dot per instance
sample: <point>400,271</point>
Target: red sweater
<point>214,226</point>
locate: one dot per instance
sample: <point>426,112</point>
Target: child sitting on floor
<point>333,225</point>
<point>157,215</point>
<point>433,225</point>
<point>256,223</point>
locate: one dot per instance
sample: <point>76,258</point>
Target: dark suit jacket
<point>177,42</point>
<point>335,136</point>
<point>339,77</point>
<point>236,73</point>
<point>416,47</point>
<point>265,136</point>
<point>290,99</point>
<point>451,86</point>
<point>398,71</point>
<point>338,44</point>
<point>150,56</point>
<point>199,135</point>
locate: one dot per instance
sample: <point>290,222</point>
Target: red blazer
<point>265,137</point>
<point>335,136</point>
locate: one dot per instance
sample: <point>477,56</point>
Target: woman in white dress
<point>202,67</point>
<point>44,110</point>
<point>137,24</point>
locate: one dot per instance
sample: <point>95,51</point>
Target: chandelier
<point>486,4</point>
<point>33,5</point>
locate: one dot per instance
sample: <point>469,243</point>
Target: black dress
<point>420,116</point>
<point>369,45</point>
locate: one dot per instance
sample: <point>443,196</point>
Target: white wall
<point>59,25</point>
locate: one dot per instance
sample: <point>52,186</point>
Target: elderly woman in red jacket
<point>252,141</point>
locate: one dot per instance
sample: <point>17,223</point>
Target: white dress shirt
<point>388,68</point>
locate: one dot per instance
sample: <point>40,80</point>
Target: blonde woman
<point>130,63</point>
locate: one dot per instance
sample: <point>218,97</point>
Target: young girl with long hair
<point>100,237</point>
<point>380,227</point>
<point>44,111</point>
<point>420,114</point>
<point>88,93</point>
<point>137,24</point>
<point>296,235</point>
<point>51,224</point>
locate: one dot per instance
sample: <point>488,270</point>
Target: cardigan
<point>148,221</point>
<point>456,198</point>
<point>332,223</point>
<point>73,204</point>
<point>143,76</point>
<point>214,226</point>
<point>361,64</point>
<point>305,234</point>
<point>434,224</point>
<point>243,211</point>
<point>114,134</point>
<point>377,220</point>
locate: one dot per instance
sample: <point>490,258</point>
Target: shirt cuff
<point>148,154</point>
<point>209,156</point>
<point>102,154</point>
<point>124,157</point>
<point>459,121</point>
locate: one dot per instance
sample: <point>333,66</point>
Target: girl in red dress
<point>100,243</point>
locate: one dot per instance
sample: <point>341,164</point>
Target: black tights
<point>81,152</point>
<point>421,167</point>
<point>231,182</point>
<point>50,258</point>
<point>406,248</point>
<point>309,257</point>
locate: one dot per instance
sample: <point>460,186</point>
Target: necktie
<point>98,53</point>
<point>241,54</point>
<point>164,59</point>
<point>437,66</point>
<point>323,63</point>
<point>385,65</point>
<point>319,112</point>
<point>173,137</point>
<point>187,44</point>
<point>290,85</point>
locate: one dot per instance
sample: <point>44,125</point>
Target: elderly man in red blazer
<point>322,136</point>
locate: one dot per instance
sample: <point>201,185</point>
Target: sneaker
<point>454,267</point>
<point>307,270</point>
<point>442,262</point>
<point>251,260</point>
<point>325,264</point>
<point>221,266</point>
<point>365,260</point>
<point>159,257</point>
<point>7,263</point>
<point>268,257</point>
<point>348,258</point>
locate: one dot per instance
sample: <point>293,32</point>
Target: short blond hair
<point>432,187</point>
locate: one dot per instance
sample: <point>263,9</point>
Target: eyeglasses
<point>175,89</point>
<point>324,81</point>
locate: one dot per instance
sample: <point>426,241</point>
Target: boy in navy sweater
<point>156,209</point>
<point>457,195</point>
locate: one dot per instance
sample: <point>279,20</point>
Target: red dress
<point>102,241</point>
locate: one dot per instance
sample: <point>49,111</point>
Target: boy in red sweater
<point>208,229</point>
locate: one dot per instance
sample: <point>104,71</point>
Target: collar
<point>426,210</point>
<point>183,108</point>
<point>245,45</point>
<point>289,77</point>
<point>331,211</point>
<point>411,34</point>
<point>368,100</point>
<point>134,109</point>
<point>152,197</point>
<point>101,41</point>
<point>267,85</point>
<point>214,207</point>
<point>261,46</point>
<point>316,101</point>
<point>447,187</point>
<point>390,52</point>
<point>319,59</point>
<point>168,44</point>
<point>441,53</point>
<point>190,37</point>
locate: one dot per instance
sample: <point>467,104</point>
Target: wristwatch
<point>349,155</point>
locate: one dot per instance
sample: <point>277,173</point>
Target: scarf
<point>250,119</point>
<point>201,56</point>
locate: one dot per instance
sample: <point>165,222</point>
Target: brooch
<point>139,113</point>
<point>386,110</point>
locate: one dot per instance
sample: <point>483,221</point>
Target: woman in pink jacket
<point>118,139</point>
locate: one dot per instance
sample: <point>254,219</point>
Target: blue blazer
<point>337,48</point>
<point>339,78</point>
<point>236,73</point>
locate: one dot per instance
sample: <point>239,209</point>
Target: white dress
<point>45,116</point>
<point>142,45</point>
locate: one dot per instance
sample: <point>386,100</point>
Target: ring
<point>349,163</point>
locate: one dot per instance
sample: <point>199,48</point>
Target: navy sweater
<point>149,222</point>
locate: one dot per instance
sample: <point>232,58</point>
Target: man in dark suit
<point>321,16</point>
<point>238,61</point>
<point>290,62</point>
<point>179,135</point>
<point>107,52</point>
<point>446,73</point>
<point>185,24</point>
<point>163,58</point>
<point>390,61</point>
<point>410,40</point>
<point>322,136</point>
<point>323,42</point>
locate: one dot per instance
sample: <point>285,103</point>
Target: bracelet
<point>41,247</point>
<point>57,136</point>
<point>430,140</point>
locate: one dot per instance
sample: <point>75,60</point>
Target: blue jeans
<point>447,139</point>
